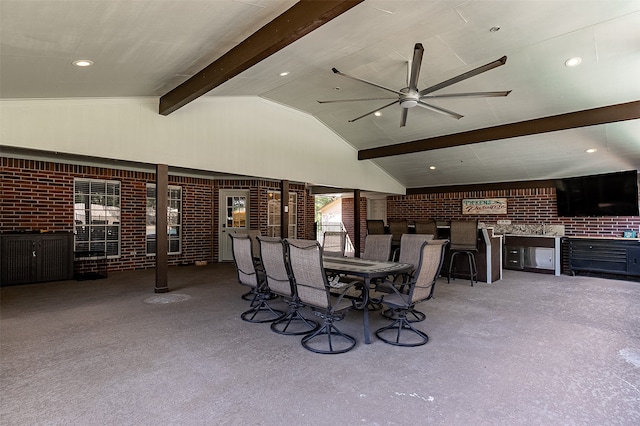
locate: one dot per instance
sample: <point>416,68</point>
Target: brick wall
<point>38,196</point>
<point>524,206</point>
<point>258,191</point>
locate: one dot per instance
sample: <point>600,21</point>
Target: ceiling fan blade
<point>416,63</point>
<point>403,120</point>
<point>365,81</point>
<point>440,110</point>
<point>469,95</point>
<point>371,112</point>
<point>354,100</point>
<point>464,76</point>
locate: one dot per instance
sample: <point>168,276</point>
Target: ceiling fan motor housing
<point>407,99</point>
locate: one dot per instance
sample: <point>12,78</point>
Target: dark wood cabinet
<point>612,256</point>
<point>30,258</point>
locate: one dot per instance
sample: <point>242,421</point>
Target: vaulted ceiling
<point>151,47</point>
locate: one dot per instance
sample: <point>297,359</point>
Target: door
<point>234,217</point>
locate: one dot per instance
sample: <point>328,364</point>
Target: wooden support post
<point>284,210</point>
<point>356,222</point>
<point>162,239</point>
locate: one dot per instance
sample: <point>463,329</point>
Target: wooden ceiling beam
<point>572,120</point>
<point>298,21</point>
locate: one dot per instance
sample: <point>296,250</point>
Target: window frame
<point>273,213</point>
<point>99,221</point>
<point>173,223</point>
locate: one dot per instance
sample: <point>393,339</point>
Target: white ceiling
<point>148,47</point>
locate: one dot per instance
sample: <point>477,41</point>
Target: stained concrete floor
<point>530,349</point>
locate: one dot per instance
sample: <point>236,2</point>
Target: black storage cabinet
<point>35,257</point>
<point>612,256</point>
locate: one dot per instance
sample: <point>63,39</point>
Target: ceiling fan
<point>410,96</point>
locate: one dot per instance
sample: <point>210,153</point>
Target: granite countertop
<point>532,235</point>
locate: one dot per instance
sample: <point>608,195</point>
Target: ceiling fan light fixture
<point>408,103</point>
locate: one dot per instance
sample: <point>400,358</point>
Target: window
<point>273,219</point>
<point>96,212</point>
<point>174,219</point>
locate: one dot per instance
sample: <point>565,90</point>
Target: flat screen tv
<point>611,194</point>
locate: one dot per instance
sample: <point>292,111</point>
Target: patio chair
<point>426,226</point>
<point>305,260</point>
<point>464,240</point>
<point>273,257</point>
<point>333,243</point>
<point>410,252</point>
<point>255,249</point>
<point>420,288</point>
<point>253,234</point>
<point>398,227</point>
<point>377,247</point>
<point>375,227</point>
<point>253,277</point>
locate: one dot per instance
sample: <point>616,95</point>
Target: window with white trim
<point>273,214</point>
<point>174,219</point>
<point>96,214</point>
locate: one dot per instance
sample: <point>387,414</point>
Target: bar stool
<point>464,239</point>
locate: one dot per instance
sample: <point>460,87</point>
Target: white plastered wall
<point>236,135</point>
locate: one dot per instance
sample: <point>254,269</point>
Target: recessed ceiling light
<point>83,63</point>
<point>282,74</point>
<point>573,62</point>
<point>432,167</point>
<point>377,113</point>
<point>591,150</point>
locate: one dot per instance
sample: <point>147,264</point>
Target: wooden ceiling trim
<point>298,21</point>
<point>572,120</point>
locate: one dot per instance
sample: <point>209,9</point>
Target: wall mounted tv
<point>611,194</point>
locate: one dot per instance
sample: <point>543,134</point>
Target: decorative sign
<point>484,206</point>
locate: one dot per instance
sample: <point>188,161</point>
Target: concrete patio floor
<point>530,349</point>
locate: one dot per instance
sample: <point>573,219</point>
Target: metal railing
<point>323,227</point>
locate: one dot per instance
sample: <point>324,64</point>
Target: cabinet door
<point>633,261</point>
<point>18,260</point>
<point>54,258</point>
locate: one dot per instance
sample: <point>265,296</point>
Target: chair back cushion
<point>426,227</point>
<point>398,227</point>
<point>273,258</point>
<point>305,261</point>
<point>464,235</point>
<point>377,247</point>
<point>333,243</point>
<point>424,279</point>
<point>410,246</point>
<point>375,227</point>
<point>252,233</point>
<point>243,258</point>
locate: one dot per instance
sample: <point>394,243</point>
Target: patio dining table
<point>367,270</point>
